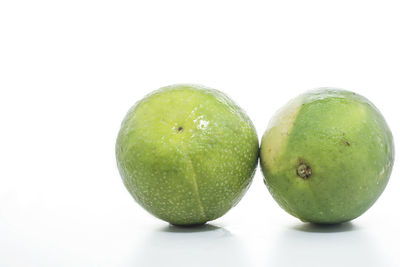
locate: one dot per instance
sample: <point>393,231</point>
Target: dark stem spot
<point>180,129</point>
<point>304,171</point>
<point>345,142</point>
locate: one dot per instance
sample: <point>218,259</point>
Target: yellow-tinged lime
<point>327,156</point>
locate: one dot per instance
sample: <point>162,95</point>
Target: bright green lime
<point>187,153</point>
<point>327,156</point>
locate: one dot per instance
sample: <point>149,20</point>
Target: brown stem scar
<point>304,171</point>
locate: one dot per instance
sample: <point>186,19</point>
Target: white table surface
<point>103,226</point>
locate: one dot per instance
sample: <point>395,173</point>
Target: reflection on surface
<point>326,245</point>
<point>205,245</point>
<point>326,228</point>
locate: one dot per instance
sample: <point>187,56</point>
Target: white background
<point>69,71</point>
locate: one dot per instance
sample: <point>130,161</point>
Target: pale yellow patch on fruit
<point>278,130</point>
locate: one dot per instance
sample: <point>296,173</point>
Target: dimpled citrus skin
<point>187,153</point>
<point>327,156</point>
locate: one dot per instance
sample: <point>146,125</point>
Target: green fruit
<point>327,156</point>
<point>187,153</point>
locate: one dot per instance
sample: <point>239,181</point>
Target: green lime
<point>327,156</point>
<point>187,153</point>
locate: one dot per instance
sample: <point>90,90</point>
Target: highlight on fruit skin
<point>327,156</point>
<point>187,153</point>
